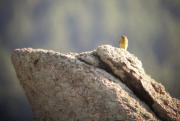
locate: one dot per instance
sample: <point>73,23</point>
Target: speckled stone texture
<point>129,69</point>
<point>107,84</point>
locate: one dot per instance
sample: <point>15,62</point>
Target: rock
<point>129,69</point>
<point>107,84</point>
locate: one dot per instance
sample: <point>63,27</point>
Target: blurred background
<point>152,27</point>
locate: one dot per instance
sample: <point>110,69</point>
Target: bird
<point>123,42</point>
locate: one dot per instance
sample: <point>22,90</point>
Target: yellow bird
<point>123,43</point>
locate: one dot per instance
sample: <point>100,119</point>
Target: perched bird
<point>123,43</point>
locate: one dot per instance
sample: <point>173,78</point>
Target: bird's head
<point>123,37</point>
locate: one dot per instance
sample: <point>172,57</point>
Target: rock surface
<point>107,84</point>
